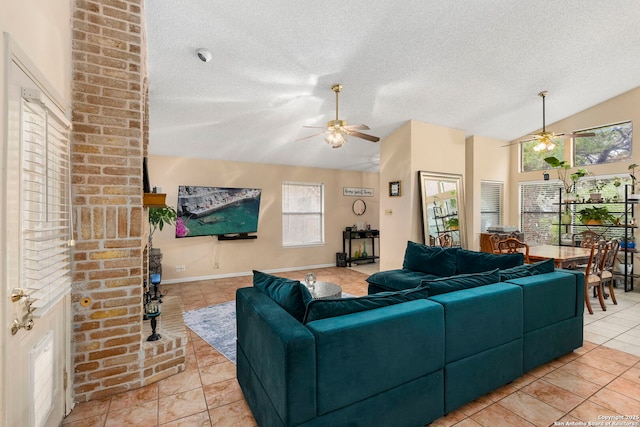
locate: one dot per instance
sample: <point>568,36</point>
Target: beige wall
<point>201,255</point>
<point>415,146</point>
<point>487,160</point>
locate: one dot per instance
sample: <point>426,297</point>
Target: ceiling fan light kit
<point>547,140</point>
<point>338,130</point>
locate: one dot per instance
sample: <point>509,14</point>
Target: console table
<point>350,235</point>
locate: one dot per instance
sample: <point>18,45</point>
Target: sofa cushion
<point>398,280</point>
<point>324,308</point>
<point>430,259</point>
<point>289,294</point>
<point>461,281</point>
<point>476,262</point>
<point>546,266</point>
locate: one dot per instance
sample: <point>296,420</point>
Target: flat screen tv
<point>217,211</point>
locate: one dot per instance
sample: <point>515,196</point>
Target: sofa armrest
<point>367,353</point>
<point>280,354</point>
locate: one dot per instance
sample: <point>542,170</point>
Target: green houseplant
<point>596,215</point>
<point>452,223</point>
<point>158,218</point>
<point>569,180</point>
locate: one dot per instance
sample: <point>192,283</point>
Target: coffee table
<point>325,290</point>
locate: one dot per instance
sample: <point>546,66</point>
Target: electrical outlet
<point>180,268</point>
<point>388,211</point>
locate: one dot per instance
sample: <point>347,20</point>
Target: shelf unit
<point>440,222</point>
<point>623,231</point>
<point>349,236</point>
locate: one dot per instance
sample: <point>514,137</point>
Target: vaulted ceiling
<point>471,65</point>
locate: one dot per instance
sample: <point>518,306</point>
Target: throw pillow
<point>430,259</point>
<point>324,308</point>
<point>461,281</point>
<point>546,266</point>
<point>476,262</point>
<point>289,294</point>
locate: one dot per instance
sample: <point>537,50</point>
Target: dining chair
<point>607,270</point>
<point>446,241</point>
<point>593,274</point>
<point>494,239</point>
<point>588,238</point>
<point>512,245</point>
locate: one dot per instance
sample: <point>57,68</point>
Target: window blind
<point>46,203</point>
<point>302,214</point>
<point>490,204</point>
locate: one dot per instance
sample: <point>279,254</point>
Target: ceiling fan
<point>338,130</point>
<point>546,140</point>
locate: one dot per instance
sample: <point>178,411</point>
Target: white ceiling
<point>466,64</point>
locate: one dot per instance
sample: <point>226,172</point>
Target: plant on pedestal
<point>158,218</point>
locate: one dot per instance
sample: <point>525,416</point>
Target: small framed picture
<point>394,189</point>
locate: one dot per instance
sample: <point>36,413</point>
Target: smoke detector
<point>204,54</point>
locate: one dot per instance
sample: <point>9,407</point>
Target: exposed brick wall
<point>109,140</point>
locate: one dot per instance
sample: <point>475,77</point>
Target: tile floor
<point>602,378</point>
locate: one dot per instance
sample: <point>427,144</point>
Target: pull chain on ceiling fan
<point>338,130</point>
<point>547,140</point>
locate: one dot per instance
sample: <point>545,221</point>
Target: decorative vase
<point>565,219</point>
<point>595,197</point>
<point>364,253</point>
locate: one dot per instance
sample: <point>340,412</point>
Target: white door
<point>35,355</point>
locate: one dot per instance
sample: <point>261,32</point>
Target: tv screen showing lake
<point>209,211</point>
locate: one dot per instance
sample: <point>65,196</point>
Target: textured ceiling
<point>471,65</point>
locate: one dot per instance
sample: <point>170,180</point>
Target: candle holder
<point>155,281</point>
<point>152,311</point>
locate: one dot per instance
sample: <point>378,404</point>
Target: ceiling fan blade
<point>363,136</point>
<point>310,136</point>
<point>582,135</point>
<point>357,127</point>
<point>519,142</point>
<point>315,127</point>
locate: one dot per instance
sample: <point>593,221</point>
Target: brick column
<point>108,147</point>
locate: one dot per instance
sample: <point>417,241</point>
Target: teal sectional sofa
<point>401,358</point>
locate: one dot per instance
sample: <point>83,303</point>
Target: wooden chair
<point>589,238</point>
<point>446,241</point>
<point>593,274</point>
<point>607,270</point>
<point>494,239</point>
<point>512,245</point>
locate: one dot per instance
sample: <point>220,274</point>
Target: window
<point>531,160</point>
<point>539,211</point>
<point>46,203</point>
<point>490,204</point>
<point>610,144</point>
<point>302,214</point>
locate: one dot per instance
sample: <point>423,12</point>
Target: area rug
<point>216,325</point>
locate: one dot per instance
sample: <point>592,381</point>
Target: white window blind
<point>490,204</point>
<point>46,203</point>
<point>302,214</point>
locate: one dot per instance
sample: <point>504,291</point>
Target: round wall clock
<point>359,207</point>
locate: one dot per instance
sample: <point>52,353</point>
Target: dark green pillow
<point>546,266</point>
<point>289,294</point>
<point>324,308</point>
<point>444,285</point>
<point>476,262</point>
<point>430,259</point>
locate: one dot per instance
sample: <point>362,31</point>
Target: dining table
<point>568,257</point>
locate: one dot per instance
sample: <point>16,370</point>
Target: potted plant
<point>452,224</point>
<point>596,190</point>
<point>158,218</point>
<point>568,180</point>
<point>595,215</point>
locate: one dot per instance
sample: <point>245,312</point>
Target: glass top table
<point>325,290</point>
